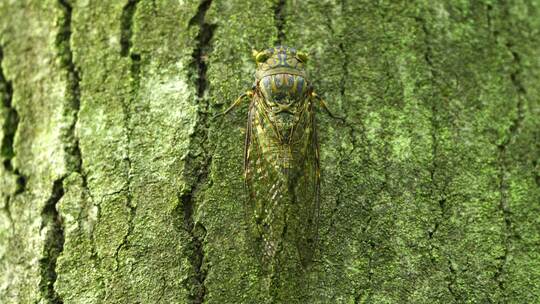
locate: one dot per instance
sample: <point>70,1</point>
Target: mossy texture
<point>119,185</point>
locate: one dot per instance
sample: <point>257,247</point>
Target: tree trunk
<point>119,186</point>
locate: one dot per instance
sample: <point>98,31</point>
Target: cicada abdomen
<point>281,156</point>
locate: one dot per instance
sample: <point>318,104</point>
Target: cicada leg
<point>247,94</point>
<point>324,107</point>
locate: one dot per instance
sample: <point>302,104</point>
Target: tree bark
<point>119,186</point>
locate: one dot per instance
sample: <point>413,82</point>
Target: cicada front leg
<point>324,106</point>
<point>247,94</point>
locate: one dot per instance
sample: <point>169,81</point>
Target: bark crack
<point>11,119</point>
<point>342,85</point>
<point>345,156</point>
<point>536,166</point>
<point>9,128</point>
<point>51,218</point>
<point>452,281</point>
<point>72,106</point>
<point>54,244</point>
<point>197,233</point>
<point>503,206</point>
<point>512,133</point>
<point>441,200</point>
<point>506,214</point>
<point>342,91</point>
<point>279,20</point>
<point>344,70</point>
<point>11,124</point>
<point>73,94</point>
<point>126,44</point>
<point>126,24</point>
<point>198,160</point>
<point>364,295</point>
<point>351,129</point>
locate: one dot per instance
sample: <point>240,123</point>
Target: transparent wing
<point>265,183</point>
<point>305,184</point>
<point>282,182</point>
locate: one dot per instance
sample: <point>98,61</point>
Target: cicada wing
<point>265,183</point>
<point>305,184</point>
<point>252,157</point>
<point>282,182</point>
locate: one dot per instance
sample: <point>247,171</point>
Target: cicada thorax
<point>284,101</point>
<point>282,164</point>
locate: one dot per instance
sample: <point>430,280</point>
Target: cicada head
<point>280,60</point>
<point>281,82</point>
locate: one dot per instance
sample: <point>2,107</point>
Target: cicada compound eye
<point>303,57</point>
<point>261,56</point>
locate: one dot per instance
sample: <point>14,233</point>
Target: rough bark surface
<point>119,186</point>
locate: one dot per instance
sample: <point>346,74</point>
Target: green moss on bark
<point>430,187</point>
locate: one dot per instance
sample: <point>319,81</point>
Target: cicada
<point>281,154</point>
